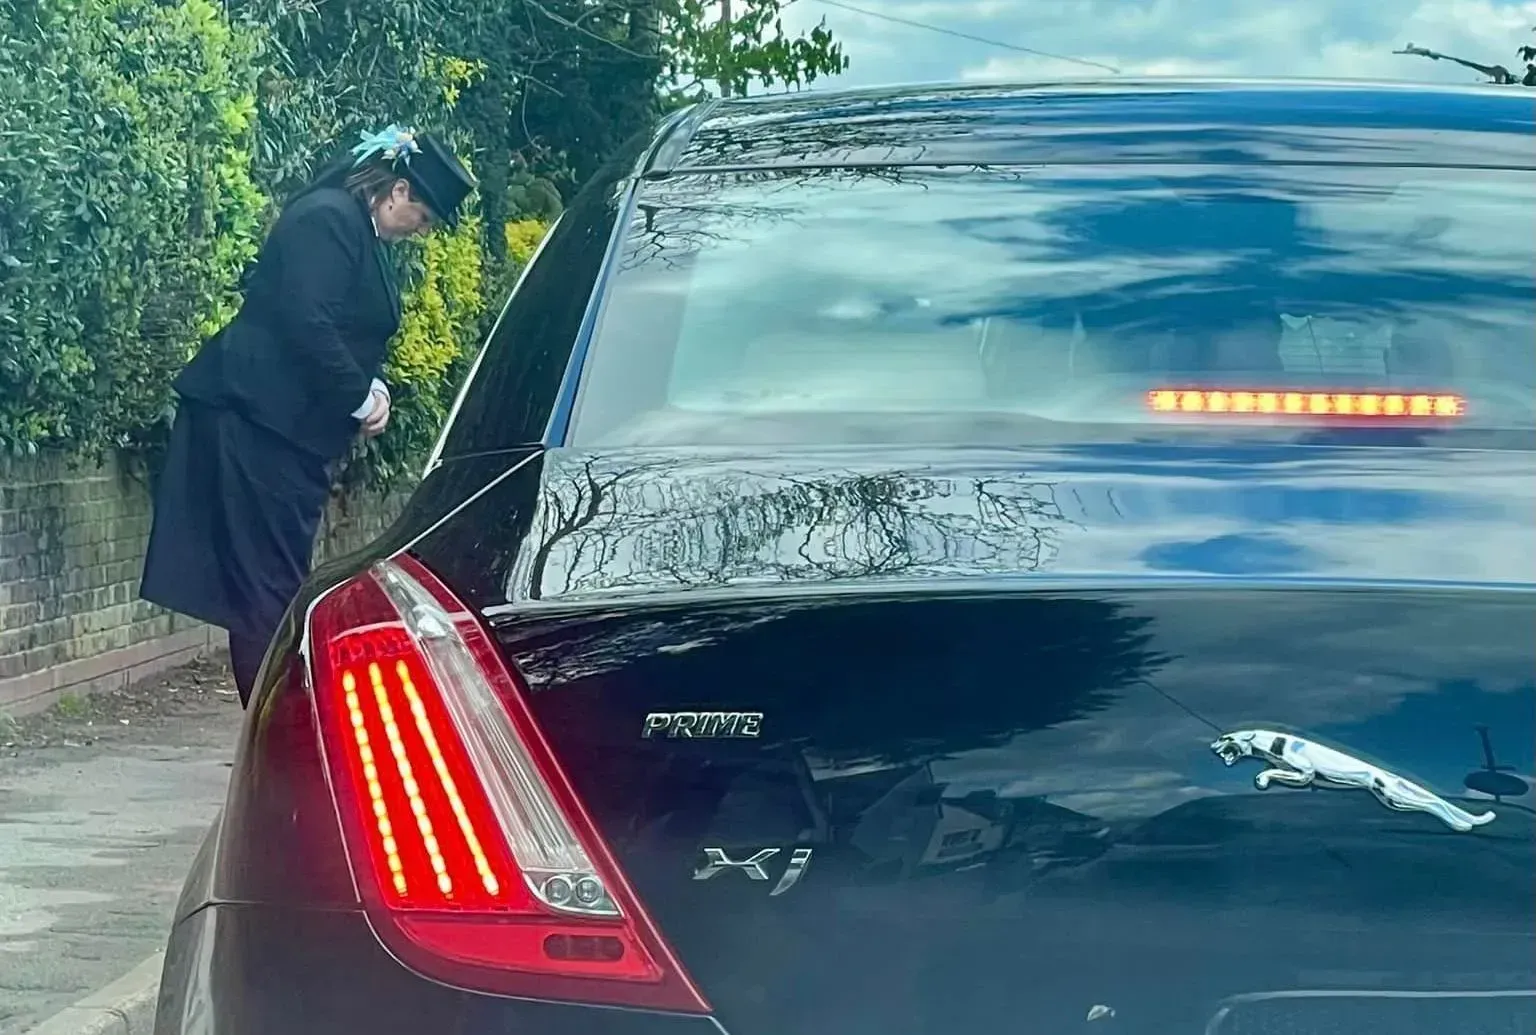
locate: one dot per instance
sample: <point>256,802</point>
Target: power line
<point>957,34</point>
<point>1186,709</point>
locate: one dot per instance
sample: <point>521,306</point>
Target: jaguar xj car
<point>1008,559</point>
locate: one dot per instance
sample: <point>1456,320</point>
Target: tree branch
<point>1498,73</point>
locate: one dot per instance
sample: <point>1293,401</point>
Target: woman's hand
<point>378,418</point>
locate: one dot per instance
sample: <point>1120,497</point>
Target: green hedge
<point>129,208</point>
<point>129,170</point>
<point>142,143</point>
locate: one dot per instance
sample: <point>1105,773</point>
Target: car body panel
<point>1150,121</point>
<point>1013,807</point>
<point>245,970</point>
<point>594,526</point>
<point>1066,632</point>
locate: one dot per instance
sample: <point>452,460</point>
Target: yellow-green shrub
<point>442,307</point>
<point>439,330</point>
<point>522,238</point>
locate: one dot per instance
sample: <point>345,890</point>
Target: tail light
<point>476,861</point>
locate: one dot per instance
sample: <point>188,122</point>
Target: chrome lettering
<point>717,860</point>
<point>799,860</point>
<point>702,725</point>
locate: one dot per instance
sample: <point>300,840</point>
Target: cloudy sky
<point>1339,38</point>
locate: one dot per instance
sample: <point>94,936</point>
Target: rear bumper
<point>1370,1013</point>
<point>258,970</point>
<point>247,970</point>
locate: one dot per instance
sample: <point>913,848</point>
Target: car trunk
<point>990,693</point>
<point>1016,819</point>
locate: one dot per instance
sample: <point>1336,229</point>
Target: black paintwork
<point>1038,645</point>
<point>952,627</point>
<point>1153,122</point>
<point>577,529</point>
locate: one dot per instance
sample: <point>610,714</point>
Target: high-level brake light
<point>1362,405</point>
<point>477,861</point>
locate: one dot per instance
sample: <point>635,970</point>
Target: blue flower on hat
<point>395,144</point>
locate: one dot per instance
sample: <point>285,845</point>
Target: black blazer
<point>320,307</point>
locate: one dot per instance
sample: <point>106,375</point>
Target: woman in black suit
<point>269,404</point>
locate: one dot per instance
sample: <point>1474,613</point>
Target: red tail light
<point>477,863</point>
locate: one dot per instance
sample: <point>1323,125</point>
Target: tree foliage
<point>747,48</point>
<point>537,92</point>
<point>129,208</point>
<point>1498,74</point>
<point>149,141</point>
<point>538,89</point>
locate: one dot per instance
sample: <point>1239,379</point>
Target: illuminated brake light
<point>388,847</point>
<point>1371,405</point>
<point>488,878</point>
<point>475,858</point>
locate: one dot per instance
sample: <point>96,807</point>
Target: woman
<point>273,400</point>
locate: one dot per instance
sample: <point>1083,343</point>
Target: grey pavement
<point>103,803</point>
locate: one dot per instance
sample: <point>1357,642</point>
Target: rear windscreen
<point>839,306</point>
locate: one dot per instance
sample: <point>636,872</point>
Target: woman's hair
<point>372,180</point>
<point>368,182</point>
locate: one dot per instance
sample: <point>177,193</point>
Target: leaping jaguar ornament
<point>1294,762</point>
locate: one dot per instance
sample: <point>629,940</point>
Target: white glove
<point>371,403</point>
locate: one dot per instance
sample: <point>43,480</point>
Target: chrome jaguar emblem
<point>1294,762</point>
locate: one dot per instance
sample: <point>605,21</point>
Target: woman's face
<point>398,215</point>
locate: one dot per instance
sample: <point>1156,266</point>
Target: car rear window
<point>1050,304</point>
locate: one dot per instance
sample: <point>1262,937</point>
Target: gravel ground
<point>103,802</point>
<point>201,690</point>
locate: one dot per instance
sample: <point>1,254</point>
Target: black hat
<point>434,172</point>
<point>438,177</point>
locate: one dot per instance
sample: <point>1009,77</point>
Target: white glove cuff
<point>371,403</point>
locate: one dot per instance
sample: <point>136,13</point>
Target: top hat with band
<point>435,173</point>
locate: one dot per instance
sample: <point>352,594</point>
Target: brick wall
<point>71,548</point>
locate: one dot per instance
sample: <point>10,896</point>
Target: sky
<point>1326,38</point>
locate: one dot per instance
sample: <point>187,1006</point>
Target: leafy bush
<point>129,209</point>
<point>522,237</point>
<point>438,332</point>
<point>144,141</point>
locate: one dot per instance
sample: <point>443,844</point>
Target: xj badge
<point>717,860</point>
<point>1294,762</point>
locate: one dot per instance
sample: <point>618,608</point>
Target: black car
<point>998,559</point>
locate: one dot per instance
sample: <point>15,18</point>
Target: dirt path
<point>103,802</point>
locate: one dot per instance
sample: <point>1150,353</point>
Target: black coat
<point>320,307</point>
<point>265,406</point>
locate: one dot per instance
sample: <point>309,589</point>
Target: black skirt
<point>236,512</point>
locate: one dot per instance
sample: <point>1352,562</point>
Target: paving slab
<point>103,803</point>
